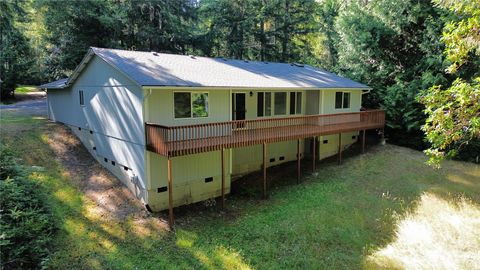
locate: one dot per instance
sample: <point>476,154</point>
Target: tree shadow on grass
<point>333,219</point>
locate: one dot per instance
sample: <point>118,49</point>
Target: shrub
<point>26,222</point>
<point>8,164</point>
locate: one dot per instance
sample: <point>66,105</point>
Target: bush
<point>26,222</point>
<point>8,164</point>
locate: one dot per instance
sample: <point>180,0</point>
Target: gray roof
<point>55,85</point>
<point>160,69</point>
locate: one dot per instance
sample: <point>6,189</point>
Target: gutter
<point>364,92</point>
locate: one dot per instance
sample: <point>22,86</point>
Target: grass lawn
<point>20,93</point>
<point>23,89</point>
<point>383,209</point>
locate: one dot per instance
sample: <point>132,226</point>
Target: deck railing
<point>191,139</point>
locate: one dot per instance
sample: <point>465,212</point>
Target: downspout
<point>147,156</point>
<point>145,97</point>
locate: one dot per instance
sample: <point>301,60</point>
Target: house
<point>177,129</point>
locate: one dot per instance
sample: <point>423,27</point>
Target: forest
<point>421,58</point>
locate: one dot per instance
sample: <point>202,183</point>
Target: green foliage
<point>453,118</point>
<point>453,121</point>
<point>149,25</point>
<point>271,30</point>
<point>15,60</point>
<point>26,221</point>
<point>393,47</point>
<point>8,163</point>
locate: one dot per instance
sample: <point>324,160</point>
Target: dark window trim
<point>262,106</point>
<point>341,100</point>
<point>191,104</point>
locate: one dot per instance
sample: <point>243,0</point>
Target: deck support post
<point>339,148</point>
<point>170,194</point>
<point>264,170</point>
<point>314,158</point>
<point>223,179</point>
<point>298,161</point>
<point>363,141</point>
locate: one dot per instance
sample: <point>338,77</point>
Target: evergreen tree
<point>15,60</point>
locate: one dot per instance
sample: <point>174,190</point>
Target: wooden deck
<point>185,140</point>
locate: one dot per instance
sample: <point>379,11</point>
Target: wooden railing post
<point>298,161</point>
<point>223,178</point>
<point>264,170</point>
<point>314,150</point>
<point>363,141</point>
<point>170,194</point>
<point>339,148</point>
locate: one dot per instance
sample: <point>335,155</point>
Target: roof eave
<point>250,87</point>
<point>86,59</point>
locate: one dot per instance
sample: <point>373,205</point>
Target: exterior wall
<point>328,101</point>
<point>189,174</point>
<point>159,107</point>
<point>313,104</point>
<point>113,112</point>
<point>250,159</point>
<point>126,174</point>
<point>328,145</point>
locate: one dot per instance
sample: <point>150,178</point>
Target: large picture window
<point>264,104</point>
<point>280,103</point>
<point>190,104</point>
<point>295,102</point>
<point>342,100</point>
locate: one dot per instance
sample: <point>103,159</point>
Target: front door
<point>238,106</point>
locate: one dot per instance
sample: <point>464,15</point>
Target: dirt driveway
<point>33,103</point>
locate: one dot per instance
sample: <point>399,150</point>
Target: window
<point>188,105</point>
<point>295,102</point>
<point>280,103</point>
<point>200,104</point>
<point>264,104</point>
<point>82,100</point>
<point>260,104</point>
<point>268,104</point>
<point>342,100</point>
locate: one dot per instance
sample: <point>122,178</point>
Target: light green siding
<point>327,106</point>
<point>328,101</point>
<point>159,108</point>
<point>249,159</point>
<point>188,174</point>
<point>111,120</point>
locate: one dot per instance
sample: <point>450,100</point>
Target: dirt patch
<point>112,200</point>
<point>21,97</point>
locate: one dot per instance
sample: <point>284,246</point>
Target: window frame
<point>296,106</point>
<point>286,107</point>
<point>343,100</point>
<point>191,104</point>
<point>264,113</point>
<point>81,96</point>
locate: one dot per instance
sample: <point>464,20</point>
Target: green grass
<point>23,89</point>
<point>347,217</point>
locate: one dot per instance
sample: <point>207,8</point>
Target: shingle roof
<point>55,85</point>
<point>161,69</point>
